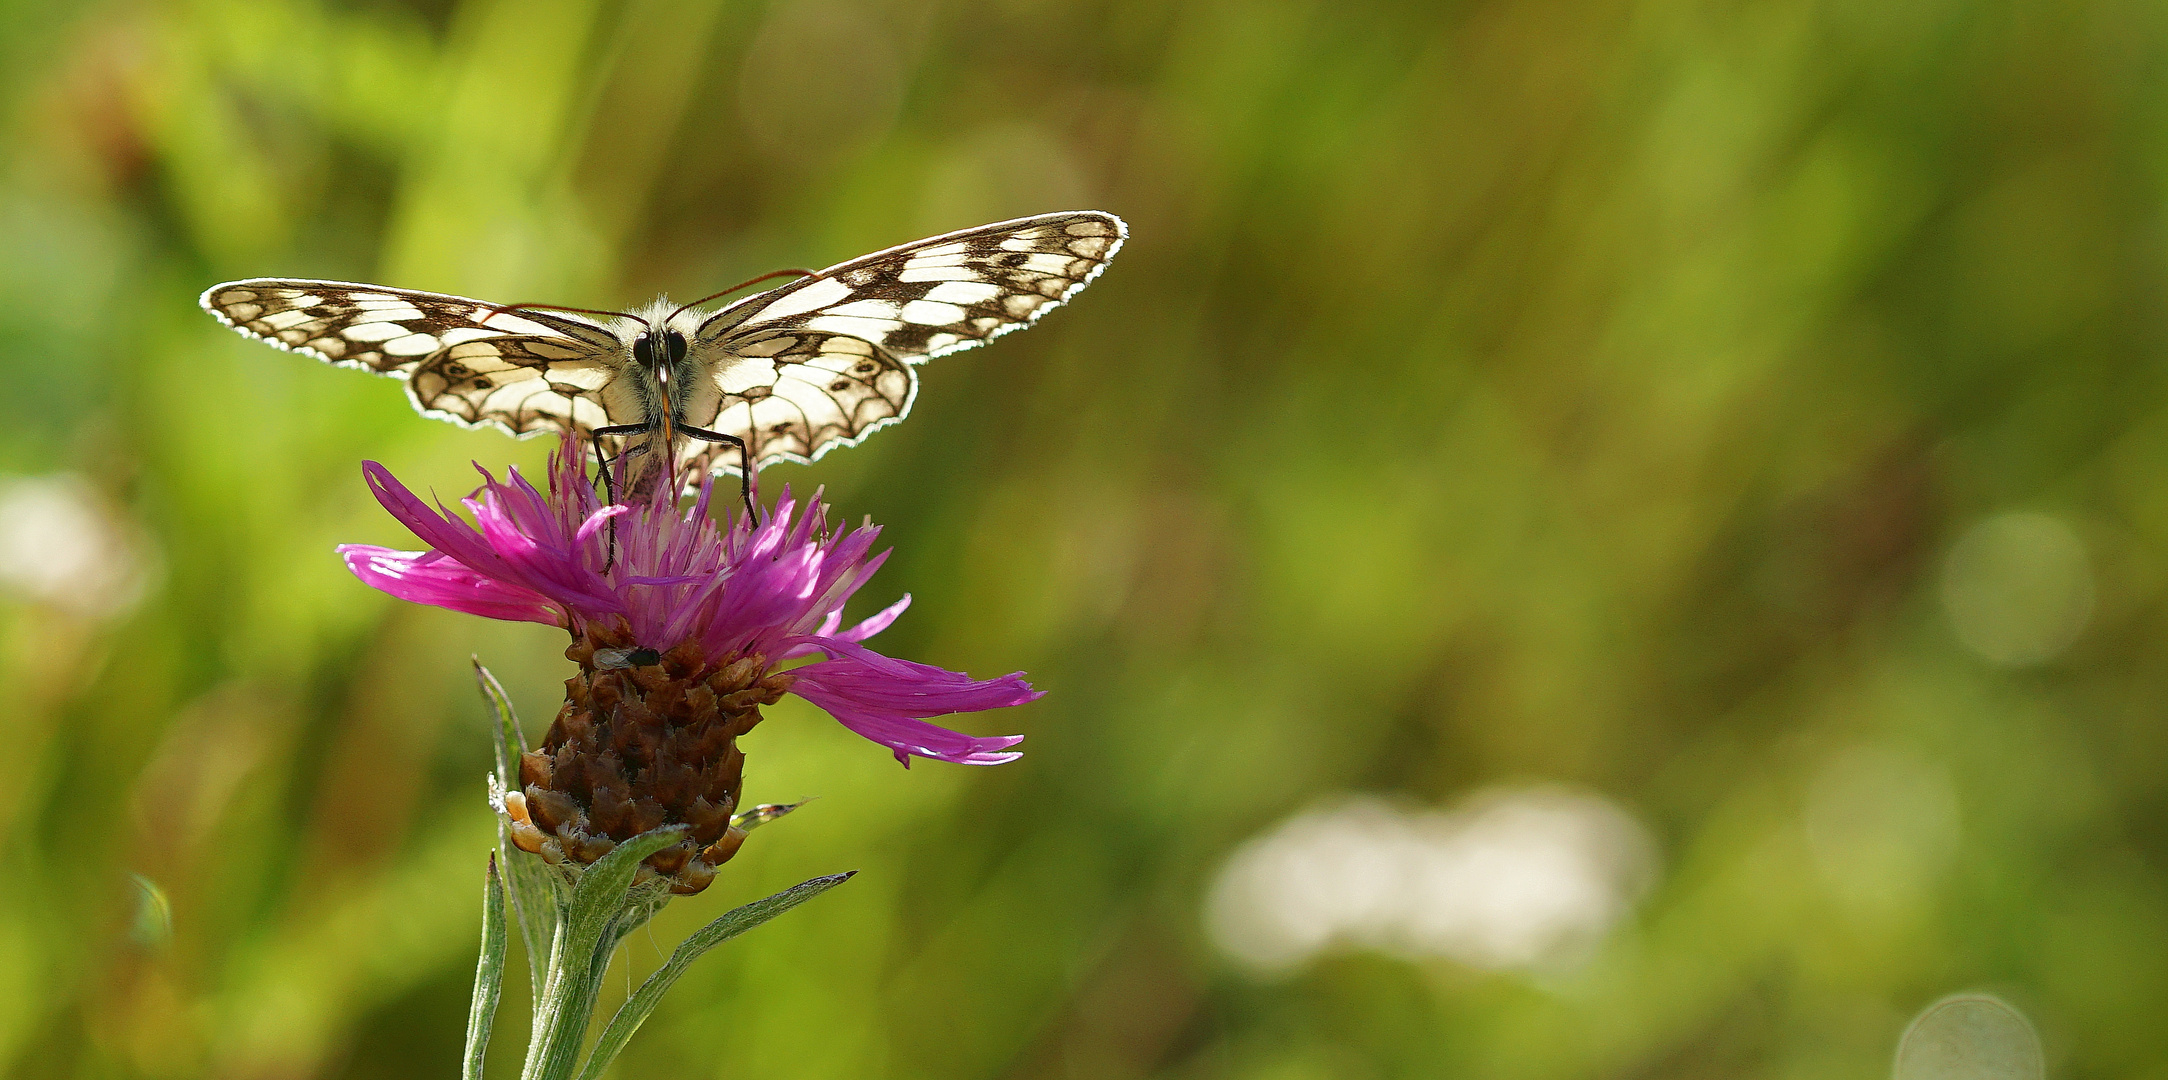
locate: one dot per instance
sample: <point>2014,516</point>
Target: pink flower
<point>772,590</point>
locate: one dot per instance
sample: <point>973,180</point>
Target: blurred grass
<point>1520,389</point>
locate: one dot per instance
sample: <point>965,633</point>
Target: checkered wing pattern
<point>463,360</point>
<point>826,360</point>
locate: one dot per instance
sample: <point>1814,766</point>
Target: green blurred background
<point>1750,420</point>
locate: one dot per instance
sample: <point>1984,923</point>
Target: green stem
<point>589,927</point>
<point>530,886</point>
<point>488,975</point>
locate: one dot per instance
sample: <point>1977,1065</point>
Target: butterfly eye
<point>675,343</point>
<point>643,350</point>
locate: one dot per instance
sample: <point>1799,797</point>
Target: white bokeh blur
<point>61,545</point>
<point>1512,878</point>
<point>2018,588</point>
<point>1970,1036</point>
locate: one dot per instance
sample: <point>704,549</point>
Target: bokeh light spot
<point>1969,1037</point>
<point>60,545</point>
<point>1514,878</point>
<point>2018,588</point>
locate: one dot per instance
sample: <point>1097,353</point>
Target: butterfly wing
<point>463,360</point>
<point>826,360</point>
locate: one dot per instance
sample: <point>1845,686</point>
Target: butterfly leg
<point>609,487</point>
<point>745,460</point>
<point>609,493</point>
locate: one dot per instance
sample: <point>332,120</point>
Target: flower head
<point>679,626</point>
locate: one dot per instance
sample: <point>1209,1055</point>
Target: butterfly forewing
<point>848,333</point>
<point>464,360</point>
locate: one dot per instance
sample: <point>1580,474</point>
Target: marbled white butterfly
<point>783,375</point>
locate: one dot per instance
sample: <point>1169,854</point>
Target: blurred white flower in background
<point>62,545</point>
<point>1513,878</point>
<point>2018,588</point>
<point>1969,1036</point>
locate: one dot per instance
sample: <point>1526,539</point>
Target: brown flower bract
<point>644,740</point>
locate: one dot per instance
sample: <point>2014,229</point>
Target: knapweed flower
<point>681,629</point>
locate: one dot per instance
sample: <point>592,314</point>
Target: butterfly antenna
<point>743,284</point>
<point>502,309</point>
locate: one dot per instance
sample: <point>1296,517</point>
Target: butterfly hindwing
<point>491,382</point>
<point>464,360</point>
<point>792,394</point>
<point>902,306</point>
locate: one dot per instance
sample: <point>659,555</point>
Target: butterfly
<point>782,375</point>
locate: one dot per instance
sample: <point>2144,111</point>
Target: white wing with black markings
<point>794,372</point>
<point>826,360</point>
<point>463,360</point>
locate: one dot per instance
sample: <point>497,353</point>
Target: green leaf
<point>763,814</point>
<point>583,944</point>
<point>534,896</point>
<point>635,1011</point>
<point>488,975</point>
<point>505,736</point>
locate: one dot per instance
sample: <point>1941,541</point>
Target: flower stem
<point>589,926</point>
<point>488,975</point>
<point>529,887</point>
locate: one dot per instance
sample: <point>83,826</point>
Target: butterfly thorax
<point>666,373</point>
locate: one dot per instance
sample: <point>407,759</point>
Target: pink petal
<point>426,578</point>
<point>877,622</point>
<point>597,520</point>
<point>885,699</point>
